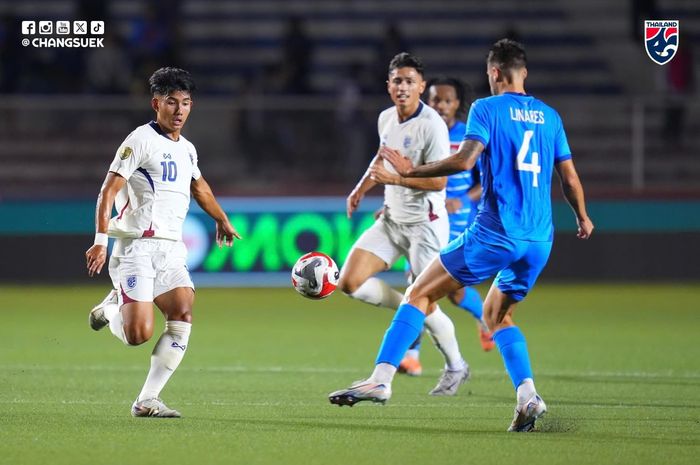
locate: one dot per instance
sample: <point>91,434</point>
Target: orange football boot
<point>410,366</point>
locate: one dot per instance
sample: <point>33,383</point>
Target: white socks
<point>377,292</point>
<point>116,324</point>
<point>442,330</point>
<point>526,391</point>
<point>383,374</point>
<point>167,355</point>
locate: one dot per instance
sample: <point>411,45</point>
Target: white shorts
<point>143,269</point>
<point>420,243</point>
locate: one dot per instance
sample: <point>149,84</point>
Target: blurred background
<point>285,122</point>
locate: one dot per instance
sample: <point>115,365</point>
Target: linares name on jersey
<point>526,116</point>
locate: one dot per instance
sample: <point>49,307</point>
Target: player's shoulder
<point>142,133</point>
<point>190,146</point>
<point>548,109</point>
<point>485,105</point>
<point>430,120</point>
<point>429,114</point>
<point>386,115</point>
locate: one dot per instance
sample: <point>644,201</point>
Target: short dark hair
<point>406,60</point>
<point>167,80</point>
<point>464,92</point>
<point>508,55</point>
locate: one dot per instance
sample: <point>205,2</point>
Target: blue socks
<point>416,344</point>
<point>511,343</point>
<point>405,328</point>
<point>472,303</point>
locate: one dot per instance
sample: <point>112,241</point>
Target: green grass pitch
<point>619,367</point>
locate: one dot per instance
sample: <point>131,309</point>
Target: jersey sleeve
<point>130,156</point>
<point>196,173</point>
<point>478,123</point>
<point>381,123</point>
<point>437,141</point>
<point>562,151</point>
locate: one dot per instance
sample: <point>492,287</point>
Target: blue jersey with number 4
<point>523,138</point>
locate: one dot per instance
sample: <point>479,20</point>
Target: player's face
<point>172,110</point>
<point>443,98</point>
<point>405,85</point>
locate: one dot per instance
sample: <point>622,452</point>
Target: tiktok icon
<point>97,28</point>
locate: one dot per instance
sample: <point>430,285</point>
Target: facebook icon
<point>28,27</point>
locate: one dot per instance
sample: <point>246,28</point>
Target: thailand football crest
<point>661,40</point>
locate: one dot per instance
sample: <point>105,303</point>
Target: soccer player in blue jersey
<point>450,97</point>
<point>521,141</point>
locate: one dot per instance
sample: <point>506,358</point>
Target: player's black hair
<point>464,92</point>
<point>406,60</point>
<point>508,55</point>
<point>167,80</point>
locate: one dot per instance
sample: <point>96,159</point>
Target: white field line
<point>320,403</point>
<point>340,370</point>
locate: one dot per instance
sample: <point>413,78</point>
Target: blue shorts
<point>480,253</point>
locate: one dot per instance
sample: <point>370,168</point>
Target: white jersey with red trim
<point>156,197</point>
<point>424,139</point>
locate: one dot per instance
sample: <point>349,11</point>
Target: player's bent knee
<point>454,298</point>
<point>348,286</point>
<point>181,314</point>
<point>418,299</point>
<point>137,335</point>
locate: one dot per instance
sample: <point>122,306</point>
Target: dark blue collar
<point>519,94</point>
<point>157,129</point>
<point>416,113</point>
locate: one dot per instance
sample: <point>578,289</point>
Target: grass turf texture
<point>617,365</point>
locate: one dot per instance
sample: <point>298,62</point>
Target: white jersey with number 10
<point>156,197</point>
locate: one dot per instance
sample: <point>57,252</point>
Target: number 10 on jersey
<point>169,171</point>
<point>533,166</point>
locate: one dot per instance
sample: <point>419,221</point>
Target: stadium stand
<point>57,138</point>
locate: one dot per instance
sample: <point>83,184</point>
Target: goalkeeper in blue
<point>521,141</point>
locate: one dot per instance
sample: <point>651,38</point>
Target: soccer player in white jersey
<point>414,220</point>
<point>150,182</point>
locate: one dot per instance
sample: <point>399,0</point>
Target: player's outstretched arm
<point>96,255</point>
<point>363,186</point>
<point>573,191</point>
<point>463,160</point>
<point>381,175</point>
<point>203,195</point>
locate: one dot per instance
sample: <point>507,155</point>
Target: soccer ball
<point>315,275</point>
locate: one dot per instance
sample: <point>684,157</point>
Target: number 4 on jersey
<point>533,166</point>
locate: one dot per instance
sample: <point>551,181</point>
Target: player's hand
<point>379,174</point>
<point>585,228</point>
<point>378,213</point>
<point>401,164</point>
<point>96,257</point>
<point>225,232</point>
<point>452,205</point>
<point>352,202</point>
